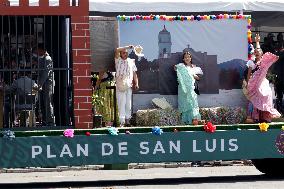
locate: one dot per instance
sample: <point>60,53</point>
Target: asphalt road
<point>239,177</point>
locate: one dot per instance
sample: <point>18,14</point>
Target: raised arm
<point>119,49</point>
<point>257,40</point>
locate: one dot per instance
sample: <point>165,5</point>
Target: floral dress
<point>260,93</point>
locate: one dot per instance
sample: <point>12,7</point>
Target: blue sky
<point>226,38</point>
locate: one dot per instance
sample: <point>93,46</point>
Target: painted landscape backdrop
<point>221,57</point>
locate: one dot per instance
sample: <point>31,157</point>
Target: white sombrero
<point>138,50</point>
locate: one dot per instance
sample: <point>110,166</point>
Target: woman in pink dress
<point>259,91</point>
<point>252,66</point>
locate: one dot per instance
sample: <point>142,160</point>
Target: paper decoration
<point>263,127</point>
<point>69,133</point>
<point>209,127</point>
<point>157,130</point>
<point>113,131</point>
<point>193,18</point>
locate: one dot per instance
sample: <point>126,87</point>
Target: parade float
<point>220,45</point>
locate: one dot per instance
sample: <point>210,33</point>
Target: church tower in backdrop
<point>165,43</point>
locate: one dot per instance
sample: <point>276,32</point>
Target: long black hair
<point>184,56</point>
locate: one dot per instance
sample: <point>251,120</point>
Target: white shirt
<point>125,69</point>
<point>251,64</point>
<point>193,71</point>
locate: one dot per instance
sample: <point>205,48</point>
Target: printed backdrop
<point>219,47</point>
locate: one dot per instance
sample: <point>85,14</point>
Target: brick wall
<point>82,71</point>
<point>80,48</point>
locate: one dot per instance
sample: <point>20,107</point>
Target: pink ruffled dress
<point>259,91</point>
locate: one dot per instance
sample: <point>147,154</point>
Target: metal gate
<point>35,71</point>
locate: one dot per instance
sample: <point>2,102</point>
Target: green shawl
<point>187,98</point>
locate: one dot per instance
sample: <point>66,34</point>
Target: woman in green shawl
<point>187,74</point>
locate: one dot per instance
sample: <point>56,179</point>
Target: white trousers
<point>124,104</point>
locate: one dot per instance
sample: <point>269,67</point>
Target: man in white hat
<point>126,78</point>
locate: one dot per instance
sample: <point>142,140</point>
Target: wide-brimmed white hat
<point>138,50</point>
